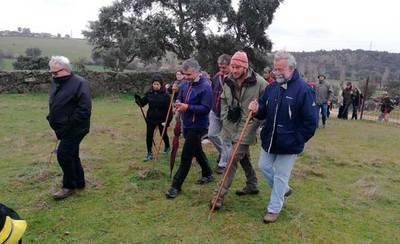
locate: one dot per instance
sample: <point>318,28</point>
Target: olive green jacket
<point>252,88</point>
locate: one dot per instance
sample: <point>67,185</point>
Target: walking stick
<point>52,152</point>
<point>229,165</point>
<point>165,124</point>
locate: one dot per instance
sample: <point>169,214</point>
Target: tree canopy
<point>146,29</point>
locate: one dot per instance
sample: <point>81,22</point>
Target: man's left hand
<point>182,107</point>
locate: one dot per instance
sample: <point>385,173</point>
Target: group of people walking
<point>230,108</point>
<point>284,108</point>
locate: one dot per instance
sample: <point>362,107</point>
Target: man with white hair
<point>289,109</point>
<point>69,116</point>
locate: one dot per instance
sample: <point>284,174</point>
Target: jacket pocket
<point>286,139</point>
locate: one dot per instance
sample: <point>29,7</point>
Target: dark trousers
<point>191,148</point>
<point>345,111</point>
<point>150,135</point>
<point>68,158</point>
<point>354,115</point>
<point>243,157</point>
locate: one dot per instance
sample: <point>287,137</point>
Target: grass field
<point>6,64</point>
<point>71,48</point>
<point>346,185</point>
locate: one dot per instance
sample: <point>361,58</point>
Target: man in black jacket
<point>69,116</point>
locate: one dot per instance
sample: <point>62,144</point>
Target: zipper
<point>278,102</point>
<point>273,127</point>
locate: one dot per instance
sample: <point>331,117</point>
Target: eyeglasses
<point>56,72</point>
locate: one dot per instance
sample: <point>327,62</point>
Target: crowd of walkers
<point>229,109</point>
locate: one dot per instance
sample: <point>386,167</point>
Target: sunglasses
<point>56,72</point>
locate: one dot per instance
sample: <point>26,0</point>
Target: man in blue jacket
<point>69,116</point>
<point>289,109</point>
<point>194,102</point>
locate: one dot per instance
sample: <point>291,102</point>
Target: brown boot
<point>63,193</point>
<point>270,217</point>
<point>218,204</point>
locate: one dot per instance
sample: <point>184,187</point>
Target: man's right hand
<point>253,106</point>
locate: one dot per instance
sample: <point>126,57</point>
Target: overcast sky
<point>299,25</point>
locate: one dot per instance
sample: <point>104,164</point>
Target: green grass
<point>6,64</point>
<point>74,49</point>
<point>346,185</point>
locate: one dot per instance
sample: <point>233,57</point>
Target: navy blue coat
<point>70,107</point>
<point>198,95</point>
<point>290,116</point>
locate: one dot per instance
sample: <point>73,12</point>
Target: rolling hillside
<point>72,48</point>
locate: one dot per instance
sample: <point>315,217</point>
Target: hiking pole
<point>52,152</point>
<point>229,165</point>
<point>165,124</point>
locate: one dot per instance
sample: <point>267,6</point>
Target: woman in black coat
<point>158,100</point>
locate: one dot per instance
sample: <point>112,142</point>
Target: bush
<point>31,63</point>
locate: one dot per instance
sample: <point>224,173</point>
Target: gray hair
<point>191,63</point>
<point>60,61</point>
<point>267,69</point>
<point>289,58</point>
<point>224,59</point>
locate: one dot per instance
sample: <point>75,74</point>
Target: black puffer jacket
<point>70,106</point>
<point>158,102</point>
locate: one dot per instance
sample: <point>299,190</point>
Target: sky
<point>298,25</point>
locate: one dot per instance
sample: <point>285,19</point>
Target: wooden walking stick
<point>52,152</point>
<point>165,124</point>
<point>229,165</point>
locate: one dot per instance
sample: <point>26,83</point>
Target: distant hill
<point>350,65</point>
<point>74,49</point>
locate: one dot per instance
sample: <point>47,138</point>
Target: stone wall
<point>101,83</point>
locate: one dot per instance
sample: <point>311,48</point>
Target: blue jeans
<point>276,169</point>
<point>223,146</point>
<point>324,112</point>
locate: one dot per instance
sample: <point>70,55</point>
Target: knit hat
<point>240,59</point>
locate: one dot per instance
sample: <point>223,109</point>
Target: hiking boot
<point>166,150</point>
<point>218,204</point>
<point>270,217</point>
<point>172,192</point>
<point>205,180</point>
<point>247,191</point>
<point>219,170</point>
<point>148,157</point>
<point>63,193</point>
<point>289,192</point>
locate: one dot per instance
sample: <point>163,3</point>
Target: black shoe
<point>246,191</point>
<point>219,170</point>
<point>172,192</point>
<point>205,180</point>
<point>289,192</point>
<point>166,150</point>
